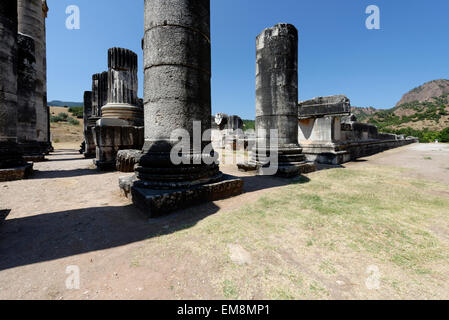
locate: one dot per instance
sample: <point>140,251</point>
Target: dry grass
<point>66,134</point>
<point>317,239</point>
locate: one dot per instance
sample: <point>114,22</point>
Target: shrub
<point>54,119</point>
<point>444,135</point>
<point>77,112</point>
<point>63,116</point>
<point>249,124</point>
<point>73,122</point>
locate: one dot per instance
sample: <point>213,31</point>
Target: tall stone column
<point>31,18</point>
<point>122,88</point>
<point>177,93</point>
<point>99,99</point>
<point>12,164</point>
<point>277,101</point>
<point>99,92</point>
<point>87,114</point>
<point>26,91</point>
<point>45,10</point>
<point>121,123</point>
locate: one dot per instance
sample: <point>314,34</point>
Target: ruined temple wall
<point>359,132</point>
<point>324,129</point>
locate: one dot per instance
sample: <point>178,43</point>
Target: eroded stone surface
<point>277,103</point>
<point>12,164</point>
<point>127,159</point>
<point>330,134</point>
<point>155,202</point>
<point>177,95</point>
<point>31,22</point>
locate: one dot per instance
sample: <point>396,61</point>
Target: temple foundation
<point>330,134</point>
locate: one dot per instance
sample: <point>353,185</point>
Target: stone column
<point>45,10</point>
<point>99,92</point>
<point>277,99</point>
<point>121,123</point>
<point>177,92</point>
<point>122,88</point>
<point>12,165</point>
<point>87,114</point>
<point>31,18</point>
<point>98,99</point>
<point>26,90</point>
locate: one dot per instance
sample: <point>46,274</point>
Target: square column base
<point>111,137</point>
<point>16,173</point>
<point>155,203</point>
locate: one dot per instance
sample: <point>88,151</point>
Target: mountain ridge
<point>59,103</point>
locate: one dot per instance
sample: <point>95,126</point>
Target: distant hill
<point>422,112</point>
<point>426,92</point>
<point>57,103</point>
<point>363,114</point>
<point>432,114</point>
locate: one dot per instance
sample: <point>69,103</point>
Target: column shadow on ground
<point>50,236</point>
<point>46,237</point>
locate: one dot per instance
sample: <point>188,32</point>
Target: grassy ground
<point>346,233</point>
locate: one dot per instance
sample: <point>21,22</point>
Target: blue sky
<point>337,53</point>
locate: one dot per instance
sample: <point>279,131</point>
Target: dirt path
<point>424,161</point>
<point>69,214</point>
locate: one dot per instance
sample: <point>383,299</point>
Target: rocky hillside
<point>423,112</point>
<point>432,115</point>
<point>426,92</point>
<point>363,114</point>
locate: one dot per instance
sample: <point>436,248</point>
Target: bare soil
<point>69,214</point>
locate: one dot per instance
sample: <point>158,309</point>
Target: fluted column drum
<point>122,87</point>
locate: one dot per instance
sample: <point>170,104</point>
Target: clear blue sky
<point>338,55</point>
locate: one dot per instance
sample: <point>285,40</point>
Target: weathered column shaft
<point>176,94</point>
<point>87,112</point>
<point>122,78</point>
<point>45,101</point>
<point>122,88</point>
<point>277,105</point>
<point>31,18</point>
<point>26,90</point>
<point>99,92</point>
<point>10,155</point>
<point>177,66</point>
<point>277,83</point>
<point>8,71</point>
<point>177,91</point>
